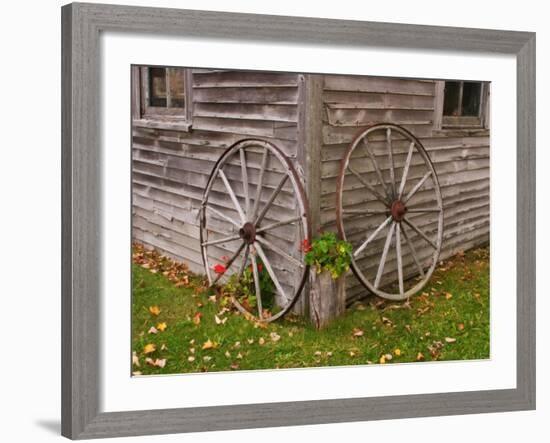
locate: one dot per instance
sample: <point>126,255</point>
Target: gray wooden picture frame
<point>81,208</point>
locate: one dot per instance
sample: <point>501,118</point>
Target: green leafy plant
<point>327,253</point>
<point>244,289</point>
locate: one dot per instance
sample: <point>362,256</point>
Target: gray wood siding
<point>461,160</point>
<point>170,168</point>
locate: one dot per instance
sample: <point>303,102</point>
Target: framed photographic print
<point>273,225</point>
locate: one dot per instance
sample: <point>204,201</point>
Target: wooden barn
<point>431,144</point>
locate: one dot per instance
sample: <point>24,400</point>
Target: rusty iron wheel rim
<point>391,194</point>
<point>251,228</point>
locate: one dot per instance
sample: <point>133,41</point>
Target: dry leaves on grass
<point>157,362</point>
<point>162,326</point>
<point>176,272</point>
<point>274,336</point>
<point>358,332</point>
<point>149,348</point>
<point>197,318</point>
<point>209,344</point>
<point>154,310</point>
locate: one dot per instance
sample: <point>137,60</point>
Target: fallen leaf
<point>148,348</point>
<point>274,336</point>
<point>135,359</point>
<point>318,353</point>
<point>382,360</point>
<point>460,326</point>
<point>261,340</point>
<point>207,358</point>
<point>448,295</point>
<point>155,310</point>
<point>250,341</point>
<point>329,354</point>
<point>164,347</point>
<point>162,326</point>
<point>209,344</point>
<point>358,332</point>
<point>419,356</point>
<point>136,373</point>
<point>239,355</point>
<point>388,357</point>
<point>212,298</point>
<point>237,344</point>
<point>152,330</point>
<point>450,339</point>
<point>387,321</point>
<point>397,352</point>
<point>158,362</point>
<point>192,350</point>
<point>234,365</point>
<point>190,359</point>
<point>220,321</point>
<point>197,318</point>
<point>227,354</point>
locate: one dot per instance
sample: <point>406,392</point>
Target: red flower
<point>306,247</point>
<point>219,269</point>
<point>260,267</point>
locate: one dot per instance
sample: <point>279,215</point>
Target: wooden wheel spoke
<point>259,187</point>
<point>221,240</point>
<point>409,209</point>
<point>269,269</point>
<point>419,232</point>
<point>245,259</point>
<point>405,171</point>
<point>244,174</point>
<point>228,265</point>
<point>365,211</point>
<point>399,258</point>
<point>367,185</point>
<point>372,236</point>
<point>257,286</point>
<point>279,251</point>
<point>390,156</point>
<point>271,199</point>
<point>384,255</point>
<point>417,187</point>
<point>278,224</point>
<point>222,215</point>
<point>413,251</point>
<point>232,196</point>
<point>376,167</point>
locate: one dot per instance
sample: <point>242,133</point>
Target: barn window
<point>463,104</point>
<point>164,97</point>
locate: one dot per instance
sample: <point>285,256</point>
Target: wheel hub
<point>248,233</point>
<point>398,210</point>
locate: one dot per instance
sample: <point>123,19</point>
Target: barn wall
<point>171,167</point>
<point>461,158</point>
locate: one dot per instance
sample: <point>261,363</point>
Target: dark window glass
<point>451,101</point>
<point>167,87</point>
<point>157,87</point>
<point>471,99</point>
<point>462,99</point>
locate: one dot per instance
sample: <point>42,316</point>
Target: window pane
<point>157,87</point>
<point>471,98</point>
<point>177,87</point>
<point>451,98</point>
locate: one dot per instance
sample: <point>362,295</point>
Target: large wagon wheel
<point>245,217</point>
<point>387,183</point>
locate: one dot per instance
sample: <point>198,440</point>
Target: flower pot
<point>327,298</point>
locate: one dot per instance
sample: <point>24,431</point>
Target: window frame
<point>462,123</point>
<point>145,115</point>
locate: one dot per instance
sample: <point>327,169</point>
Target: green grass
<point>455,305</point>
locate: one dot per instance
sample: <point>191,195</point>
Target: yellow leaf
<point>162,326</point>
<point>383,359</point>
<point>136,373</point>
<point>448,295</point>
<point>261,340</point>
<point>419,356</point>
<point>209,344</point>
<point>197,318</point>
<point>149,348</point>
<point>397,352</point>
<point>155,310</point>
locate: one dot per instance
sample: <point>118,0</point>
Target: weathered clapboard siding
<point>170,167</point>
<point>461,161</point>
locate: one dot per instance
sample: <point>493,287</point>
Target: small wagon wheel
<point>246,218</point>
<point>387,184</point>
